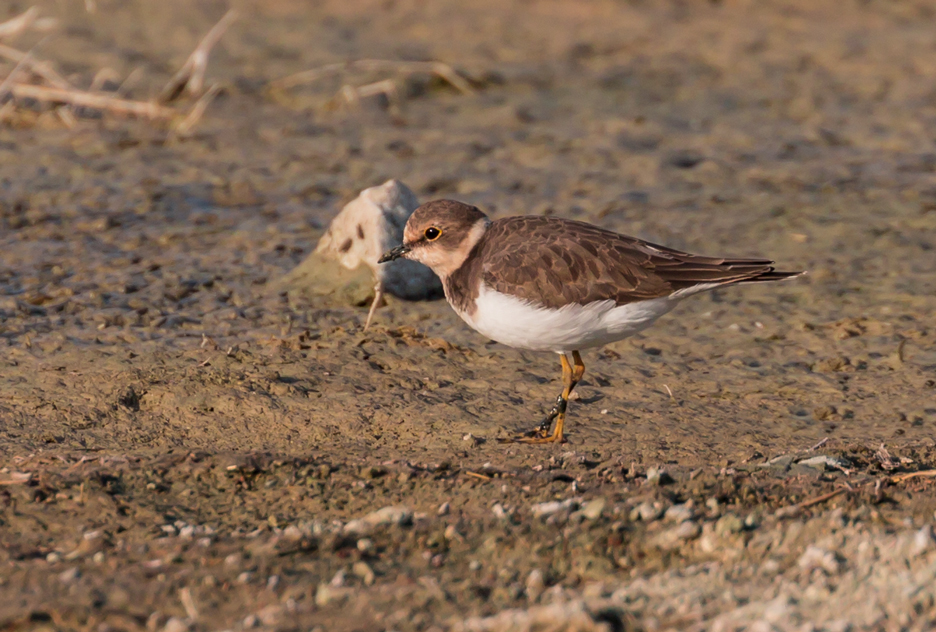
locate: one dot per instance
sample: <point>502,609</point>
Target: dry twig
<point>145,109</point>
<point>191,76</point>
<point>483,477</point>
<point>899,478</point>
<point>441,70</point>
<point>793,510</point>
<point>15,26</point>
<point>40,68</point>
<point>186,125</point>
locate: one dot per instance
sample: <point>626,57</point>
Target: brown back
<point>553,262</point>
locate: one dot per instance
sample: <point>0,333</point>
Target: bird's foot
<point>541,434</point>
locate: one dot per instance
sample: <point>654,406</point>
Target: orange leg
<point>571,375</point>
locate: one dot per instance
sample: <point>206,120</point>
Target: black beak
<point>396,253</point>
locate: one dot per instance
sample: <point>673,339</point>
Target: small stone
<point>535,585</point>
<point>658,476</point>
<point>499,511</point>
<point>728,525</point>
<point>232,560</point>
<point>688,530</point>
<point>555,506</point>
<point>392,515</point>
<point>680,513</point>
<point>187,532</point>
<point>98,558</point>
<point>53,557</point>
<point>364,571</point>
<point>273,582</point>
<point>327,594</point>
<point>365,545</point>
<point>713,505</point>
<point>474,565</point>
<point>593,508</point>
<point>251,621</point>
<point>176,624</point>
<point>815,557</point>
<point>270,615</point>
<point>338,580</point>
<point>674,537</point>
<point>444,509</point>
<point>824,462</point>
<point>647,511</point>
<point>922,541</point>
<point>292,533</point>
<point>244,577</point>
<point>781,463</point>
<point>70,575</point>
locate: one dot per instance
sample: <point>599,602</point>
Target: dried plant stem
<point>144,109</point>
<point>191,76</point>
<point>15,26</point>
<point>437,68</point>
<point>899,478</point>
<point>40,68</point>
<point>186,125</point>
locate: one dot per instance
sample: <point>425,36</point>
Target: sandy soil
<point>184,447</point>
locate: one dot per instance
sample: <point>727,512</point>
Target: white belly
<point>520,324</point>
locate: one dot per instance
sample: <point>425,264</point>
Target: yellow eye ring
<point>432,233</point>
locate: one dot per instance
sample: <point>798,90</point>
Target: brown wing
<point>553,262</point>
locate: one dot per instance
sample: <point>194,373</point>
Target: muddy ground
<point>184,447</point>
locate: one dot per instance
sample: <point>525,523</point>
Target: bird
<point>545,283</point>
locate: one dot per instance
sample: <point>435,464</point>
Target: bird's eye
<point>432,233</point>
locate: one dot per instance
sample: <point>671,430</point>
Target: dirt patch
<point>184,447</point>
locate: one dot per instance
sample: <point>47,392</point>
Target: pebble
<point>658,476</point>
<point>364,571</point>
<point>474,565</point>
<point>444,509</point>
<point>365,545</point>
<point>815,557</point>
<point>327,594</point>
<point>729,524</point>
<point>713,505</point>
<point>270,615</point>
<point>273,582</point>
<point>53,557</point>
<point>824,462</point>
<point>674,537</point>
<point>535,585</point>
<point>69,575</point>
<point>244,577</point>
<point>680,513</point>
<point>922,541</point>
<point>499,511</point>
<point>647,511</point>
<point>338,580</point>
<point>293,533</point>
<point>593,508</point>
<point>392,515</point>
<point>555,506</point>
<point>176,624</point>
<point>251,621</point>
